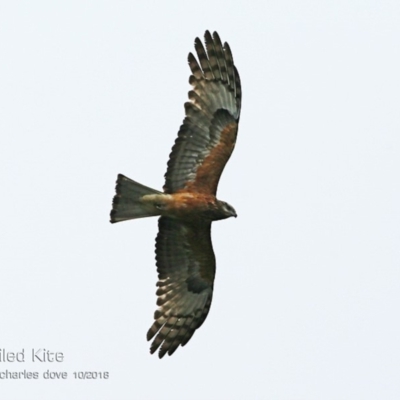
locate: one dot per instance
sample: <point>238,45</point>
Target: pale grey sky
<point>307,293</point>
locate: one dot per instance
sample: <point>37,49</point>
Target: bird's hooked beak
<point>232,212</point>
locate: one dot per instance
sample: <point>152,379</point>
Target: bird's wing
<point>208,134</point>
<point>186,271</point>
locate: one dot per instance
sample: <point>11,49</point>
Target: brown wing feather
<point>208,134</point>
<point>186,271</point>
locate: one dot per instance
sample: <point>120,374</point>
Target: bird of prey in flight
<point>188,204</point>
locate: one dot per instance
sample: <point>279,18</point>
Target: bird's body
<point>188,205</point>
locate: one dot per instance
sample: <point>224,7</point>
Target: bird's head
<point>226,210</point>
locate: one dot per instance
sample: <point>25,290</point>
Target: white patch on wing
<point>156,197</point>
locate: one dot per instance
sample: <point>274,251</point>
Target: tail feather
<point>127,202</point>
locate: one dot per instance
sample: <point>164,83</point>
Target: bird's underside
<point>188,205</point>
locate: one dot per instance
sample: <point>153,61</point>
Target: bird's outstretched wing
<point>208,134</point>
<point>186,271</point>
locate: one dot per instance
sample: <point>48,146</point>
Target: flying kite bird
<point>188,205</point>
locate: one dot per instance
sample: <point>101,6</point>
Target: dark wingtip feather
<point>194,66</point>
<point>203,59</point>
